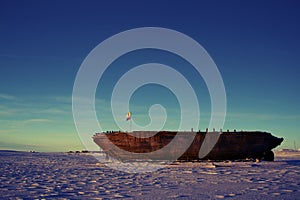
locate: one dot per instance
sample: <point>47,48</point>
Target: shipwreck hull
<point>148,145</point>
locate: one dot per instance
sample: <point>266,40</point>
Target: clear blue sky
<point>255,44</point>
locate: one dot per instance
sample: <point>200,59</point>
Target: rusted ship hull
<point>148,145</point>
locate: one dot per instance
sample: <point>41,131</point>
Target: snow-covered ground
<point>81,176</point>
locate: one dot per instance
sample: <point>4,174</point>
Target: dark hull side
<point>229,146</point>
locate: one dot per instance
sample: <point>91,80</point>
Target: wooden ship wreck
<point>230,145</point>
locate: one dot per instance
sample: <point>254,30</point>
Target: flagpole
<point>130,125</point>
<point>128,117</point>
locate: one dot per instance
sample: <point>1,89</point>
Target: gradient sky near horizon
<point>255,45</point>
